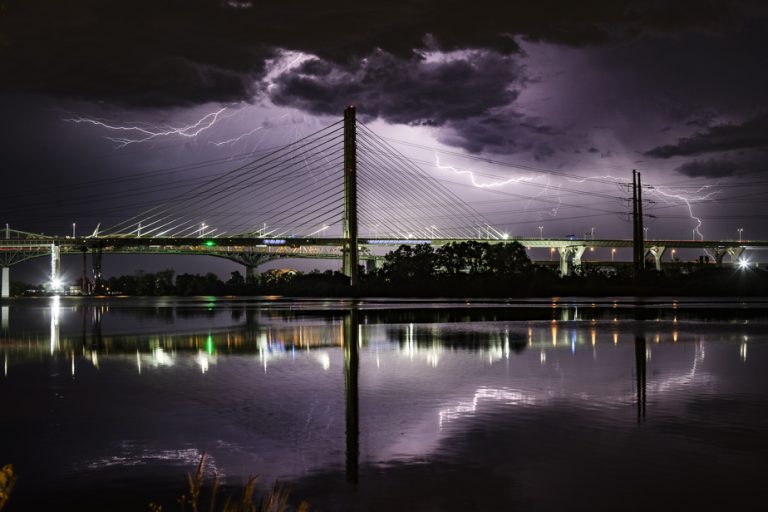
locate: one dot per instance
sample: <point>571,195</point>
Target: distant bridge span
<point>19,246</point>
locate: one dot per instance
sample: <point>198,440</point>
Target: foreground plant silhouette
<point>7,480</point>
<point>275,501</point>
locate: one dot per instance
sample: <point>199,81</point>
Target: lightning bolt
<point>665,196</point>
<point>687,200</point>
<point>265,124</point>
<point>137,133</point>
<point>473,179</point>
<point>126,134</point>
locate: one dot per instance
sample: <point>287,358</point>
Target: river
<point>545,404</point>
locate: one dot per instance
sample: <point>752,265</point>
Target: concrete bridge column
<point>251,275</point>
<point>578,252</point>
<point>564,252</point>
<point>735,253</point>
<point>719,252</point>
<point>5,287</point>
<point>570,254</point>
<point>98,283</point>
<point>56,284</point>
<point>657,252</point>
<point>373,264</point>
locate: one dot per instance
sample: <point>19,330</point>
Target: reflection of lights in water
<point>674,336</point>
<point>73,364</point>
<point>743,349</point>
<point>542,357</point>
<point>95,359</point>
<point>55,310</point>
<point>202,360</point>
<point>648,353</point>
<point>410,346</point>
<point>573,341</point>
<point>131,456</point>
<point>161,358</point>
<point>509,397</point>
<point>685,379</point>
<point>594,337</point>
<point>615,338</point>
<point>138,361</point>
<point>554,333</point>
<point>325,360</point>
<point>495,353</point>
<point>432,353</point>
<point>658,338</point>
<point>5,366</point>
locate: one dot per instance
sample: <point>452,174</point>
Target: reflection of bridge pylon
<point>351,343</point>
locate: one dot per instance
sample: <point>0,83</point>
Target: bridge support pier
<point>373,264</point>
<point>657,252</point>
<point>56,284</point>
<point>570,255</point>
<point>251,274</point>
<point>5,287</point>
<point>735,253</point>
<point>98,284</point>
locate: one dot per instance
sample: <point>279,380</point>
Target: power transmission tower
<point>638,247</point>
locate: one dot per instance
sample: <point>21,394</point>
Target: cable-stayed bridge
<point>339,192</point>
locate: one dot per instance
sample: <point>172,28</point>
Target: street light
<point>551,251</point>
<point>613,253</point>
<point>673,254</point>
<point>541,232</point>
<point>73,231</point>
<point>740,230</point>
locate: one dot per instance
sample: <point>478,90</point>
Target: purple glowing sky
<point>675,91</point>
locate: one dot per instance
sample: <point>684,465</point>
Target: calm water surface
<point>538,405</point>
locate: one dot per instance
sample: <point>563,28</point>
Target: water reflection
<point>409,386</point>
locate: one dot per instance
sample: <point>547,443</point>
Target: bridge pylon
<point>351,256</point>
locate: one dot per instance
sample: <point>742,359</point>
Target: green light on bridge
<point>209,344</point>
<point>210,243</point>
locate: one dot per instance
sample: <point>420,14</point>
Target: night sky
<point>108,105</point>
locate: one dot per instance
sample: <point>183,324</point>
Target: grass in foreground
<point>275,501</point>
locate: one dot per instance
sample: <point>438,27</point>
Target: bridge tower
<point>5,280</point>
<point>351,256</point>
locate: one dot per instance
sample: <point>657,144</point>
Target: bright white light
<point>743,264</point>
<point>505,236</point>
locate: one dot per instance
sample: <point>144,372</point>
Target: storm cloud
<point>724,166</point>
<point>405,91</point>
<point>182,52</point>
<point>752,133</point>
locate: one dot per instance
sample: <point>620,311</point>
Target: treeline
<point>419,270</point>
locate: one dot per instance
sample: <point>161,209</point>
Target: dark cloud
<point>501,132</point>
<point>179,52</point>
<point>723,167</point>
<point>406,91</point>
<point>750,134</point>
